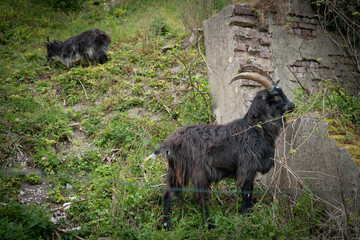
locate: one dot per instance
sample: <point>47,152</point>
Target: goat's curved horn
<point>250,68</point>
<point>254,77</point>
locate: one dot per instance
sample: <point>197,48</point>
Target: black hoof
<point>245,211</point>
<point>210,224</point>
<point>166,223</point>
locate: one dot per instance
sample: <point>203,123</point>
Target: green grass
<point>89,129</point>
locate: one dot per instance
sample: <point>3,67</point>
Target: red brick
<point>246,82</point>
<point>301,70</point>
<point>241,55</point>
<point>242,61</point>
<point>266,55</point>
<point>297,31</point>
<point>305,32</point>
<point>268,69</point>
<point>305,20</point>
<point>314,64</point>
<point>263,48</point>
<point>307,26</point>
<point>296,19</point>
<point>263,27</point>
<point>240,47</point>
<point>254,33</point>
<point>298,63</point>
<point>252,49</point>
<point>246,32</point>
<point>314,21</point>
<point>244,21</point>
<point>265,41</point>
<point>341,67</point>
<point>263,62</point>
<point>243,9</point>
<point>294,25</point>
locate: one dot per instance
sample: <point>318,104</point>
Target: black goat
<point>204,154</point>
<point>90,47</point>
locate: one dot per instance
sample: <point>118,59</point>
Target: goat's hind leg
<point>201,197</point>
<point>201,200</point>
<point>168,195</point>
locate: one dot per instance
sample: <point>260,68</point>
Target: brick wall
<point>253,45</point>
<point>298,53</point>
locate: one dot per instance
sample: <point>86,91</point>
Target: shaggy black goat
<point>90,47</point>
<point>204,154</point>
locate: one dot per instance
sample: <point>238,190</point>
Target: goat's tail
<point>154,154</point>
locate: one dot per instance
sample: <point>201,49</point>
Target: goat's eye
<point>276,98</point>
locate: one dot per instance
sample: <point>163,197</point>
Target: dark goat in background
<point>88,47</point>
<point>204,154</point>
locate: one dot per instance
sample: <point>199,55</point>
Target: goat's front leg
<point>246,192</point>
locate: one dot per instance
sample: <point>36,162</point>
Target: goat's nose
<point>291,105</point>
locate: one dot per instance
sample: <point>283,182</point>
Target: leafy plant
<point>33,178</point>
<point>20,222</point>
<point>332,101</point>
<point>159,27</point>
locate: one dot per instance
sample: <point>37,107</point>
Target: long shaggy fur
<point>204,154</point>
<point>88,47</point>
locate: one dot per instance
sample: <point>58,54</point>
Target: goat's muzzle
<point>290,106</point>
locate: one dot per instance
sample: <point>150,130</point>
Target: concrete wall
<point>297,54</point>
<point>307,159</point>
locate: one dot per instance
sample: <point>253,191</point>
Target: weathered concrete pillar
<point>297,54</point>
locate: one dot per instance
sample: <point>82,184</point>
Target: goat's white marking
<point>165,224</point>
<point>153,156</point>
<point>90,53</point>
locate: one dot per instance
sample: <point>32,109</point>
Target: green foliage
<point>63,5</point>
<point>339,16</point>
<point>33,178</point>
<point>333,101</point>
<point>9,187</point>
<point>55,196</point>
<point>159,27</point>
<point>20,222</point>
<point>47,159</point>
